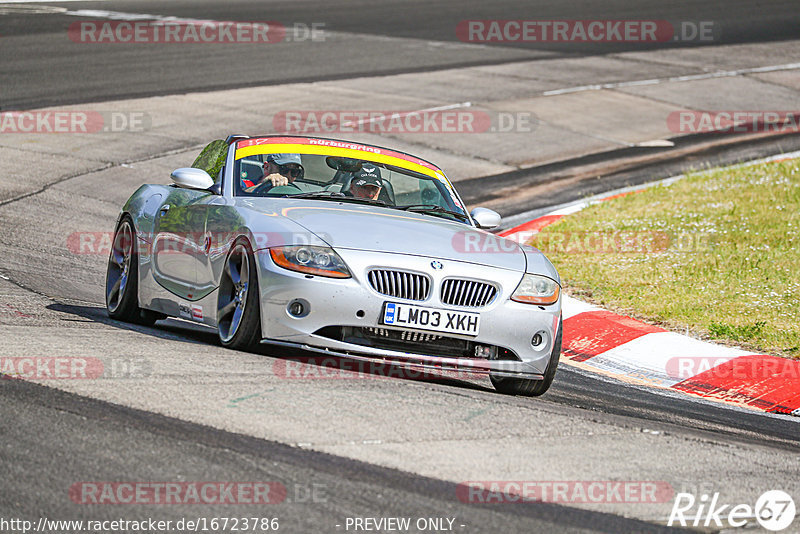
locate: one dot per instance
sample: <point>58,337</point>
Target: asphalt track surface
<point>88,436</point>
<point>52,438</point>
<point>40,66</point>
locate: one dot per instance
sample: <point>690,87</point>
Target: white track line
<point>45,1</point>
<point>684,78</point>
<point>120,15</point>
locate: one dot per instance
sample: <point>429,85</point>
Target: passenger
<point>279,169</point>
<point>366,183</point>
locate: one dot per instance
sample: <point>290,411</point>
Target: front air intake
<point>467,293</point>
<point>400,284</point>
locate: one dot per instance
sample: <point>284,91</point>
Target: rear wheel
<point>238,313</point>
<point>122,278</point>
<point>531,388</point>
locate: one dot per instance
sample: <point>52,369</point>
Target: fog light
<point>538,340</point>
<point>298,308</point>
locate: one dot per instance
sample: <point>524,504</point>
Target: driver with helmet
<point>279,169</point>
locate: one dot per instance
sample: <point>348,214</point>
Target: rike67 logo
<point>774,510</point>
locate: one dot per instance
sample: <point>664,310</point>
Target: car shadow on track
<point>295,363</point>
<point>171,329</point>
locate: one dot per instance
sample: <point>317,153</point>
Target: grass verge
<point>717,252</point>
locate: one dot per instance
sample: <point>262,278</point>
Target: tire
<point>238,301</point>
<point>122,278</point>
<point>531,388</point>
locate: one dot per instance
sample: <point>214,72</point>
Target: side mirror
<point>485,218</point>
<point>216,189</point>
<point>191,178</point>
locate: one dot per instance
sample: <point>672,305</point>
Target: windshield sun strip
<point>258,150</point>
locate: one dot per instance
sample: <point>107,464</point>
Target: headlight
<point>535,289</point>
<point>310,259</point>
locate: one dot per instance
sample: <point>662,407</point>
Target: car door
<point>179,240</point>
<point>222,223</point>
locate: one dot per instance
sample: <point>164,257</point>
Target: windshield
<point>345,179</point>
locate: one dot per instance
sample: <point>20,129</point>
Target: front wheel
<point>531,388</point>
<point>238,313</point>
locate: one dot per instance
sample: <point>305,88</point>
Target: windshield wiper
<point>362,201</point>
<point>432,209</point>
<point>317,194</point>
<point>339,197</point>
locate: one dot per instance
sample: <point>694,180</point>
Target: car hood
<point>369,228</point>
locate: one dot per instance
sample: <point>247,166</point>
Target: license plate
<point>421,318</point>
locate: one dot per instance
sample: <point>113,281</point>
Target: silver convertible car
<point>339,248</point>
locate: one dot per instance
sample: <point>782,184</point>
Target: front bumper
<point>354,303</point>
